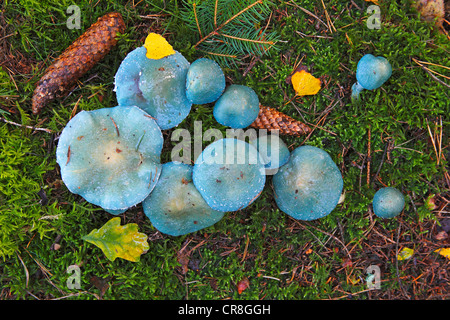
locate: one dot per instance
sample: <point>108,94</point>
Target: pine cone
<point>78,59</point>
<point>272,119</point>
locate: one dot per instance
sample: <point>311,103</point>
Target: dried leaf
<point>305,83</point>
<point>242,285</point>
<point>157,47</point>
<point>445,252</point>
<point>118,241</point>
<point>405,254</point>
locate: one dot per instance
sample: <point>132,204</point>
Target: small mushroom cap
<point>309,186</point>
<point>273,150</point>
<point>388,202</point>
<point>237,108</point>
<point>372,72</point>
<point>111,156</point>
<point>205,81</point>
<point>229,174</point>
<point>175,207</point>
<point>156,86</point>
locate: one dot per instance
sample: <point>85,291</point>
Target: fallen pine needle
<point>24,126</point>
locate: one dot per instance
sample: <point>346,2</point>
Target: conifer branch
<point>215,31</point>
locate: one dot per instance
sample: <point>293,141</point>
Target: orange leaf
<point>242,285</point>
<point>305,83</point>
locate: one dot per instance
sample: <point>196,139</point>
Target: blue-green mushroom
<point>205,81</point>
<point>309,185</point>
<point>111,156</point>
<point>371,73</point>
<point>273,150</point>
<point>229,174</point>
<point>388,202</point>
<point>175,207</point>
<point>157,86</point>
<point>237,107</point>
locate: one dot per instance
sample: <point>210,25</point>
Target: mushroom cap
<point>372,72</point>
<point>237,108</point>
<point>309,186</point>
<point>273,150</point>
<point>388,202</point>
<point>205,81</point>
<point>175,207</point>
<point>157,86</point>
<point>111,156</point>
<point>229,174</point>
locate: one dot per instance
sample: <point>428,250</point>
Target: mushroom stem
<point>356,90</point>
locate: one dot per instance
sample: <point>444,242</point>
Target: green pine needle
<point>227,30</point>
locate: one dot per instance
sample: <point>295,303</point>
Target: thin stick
<point>432,141</point>
<point>68,155</point>
<point>227,22</point>
<point>24,126</point>
<point>215,14</point>
<point>330,24</point>
<point>196,19</point>
<point>248,40</point>
<point>368,160</point>
<point>115,125</point>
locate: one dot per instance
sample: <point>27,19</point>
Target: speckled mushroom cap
<point>205,81</point>
<point>372,72</point>
<point>111,156</point>
<point>309,186</point>
<point>237,107</point>
<point>175,207</point>
<point>157,86</point>
<point>273,150</point>
<point>388,202</point>
<point>229,174</point>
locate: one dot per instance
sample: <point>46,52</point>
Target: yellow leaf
<point>405,254</point>
<point>305,83</point>
<point>444,252</point>
<point>157,47</point>
<point>118,241</point>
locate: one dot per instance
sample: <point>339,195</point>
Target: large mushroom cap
<point>273,150</point>
<point>372,72</point>
<point>388,202</point>
<point>111,156</point>
<point>205,81</point>
<point>229,174</point>
<point>309,186</point>
<point>175,207</point>
<point>237,107</point>
<point>157,86</point>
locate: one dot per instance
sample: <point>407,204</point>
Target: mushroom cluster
<point>112,156</point>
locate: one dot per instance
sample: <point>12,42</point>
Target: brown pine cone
<point>272,119</point>
<point>78,59</point>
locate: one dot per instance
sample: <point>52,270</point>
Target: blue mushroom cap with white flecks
<point>309,185</point>
<point>237,107</point>
<point>229,174</point>
<point>157,86</point>
<point>371,73</point>
<point>273,150</point>
<point>111,156</point>
<point>175,207</point>
<point>205,81</point>
<point>388,202</point>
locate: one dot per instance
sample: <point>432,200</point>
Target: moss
<point>283,258</point>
